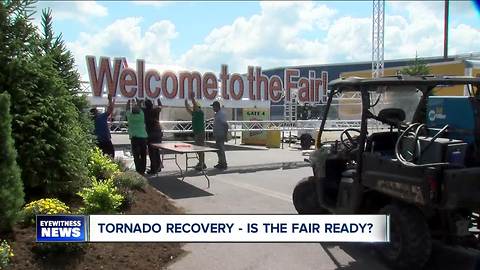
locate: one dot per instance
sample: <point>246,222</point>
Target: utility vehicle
<point>422,168</point>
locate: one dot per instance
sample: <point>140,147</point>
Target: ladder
<point>290,114</point>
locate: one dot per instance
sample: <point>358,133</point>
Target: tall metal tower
<point>378,27</point>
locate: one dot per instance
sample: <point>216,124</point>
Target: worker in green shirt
<point>138,136</point>
<point>198,126</point>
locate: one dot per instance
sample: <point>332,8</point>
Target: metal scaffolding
<point>378,27</point>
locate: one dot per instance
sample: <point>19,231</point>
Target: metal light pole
<point>445,31</point>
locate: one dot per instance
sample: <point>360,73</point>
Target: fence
<point>238,126</point>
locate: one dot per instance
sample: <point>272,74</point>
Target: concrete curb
<point>241,169</point>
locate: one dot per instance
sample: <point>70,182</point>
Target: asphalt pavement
<point>261,181</point>
<point>260,192</point>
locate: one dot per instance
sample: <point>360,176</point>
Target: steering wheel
<point>349,142</point>
<point>416,147</point>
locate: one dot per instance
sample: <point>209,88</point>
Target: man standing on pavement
<point>220,131</point>
<point>102,132</point>
<point>155,134</point>
<point>198,126</point>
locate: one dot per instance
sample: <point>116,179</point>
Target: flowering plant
<point>6,253</point>
<point>49,206</point>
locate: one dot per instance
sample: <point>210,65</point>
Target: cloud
<point>152,3</point>
<point>73,10</point>
<point>421,30</point>
<point>410,28</point>
<point>463,39</point>
<point>91,8</point>
<point>434,8</point>
<point>281,34</point>
<point>275,37</point>
<point>125,38</point>
<point>271,38</point>
<point>349,39</point>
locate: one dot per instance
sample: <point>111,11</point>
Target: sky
<point>203,35</point>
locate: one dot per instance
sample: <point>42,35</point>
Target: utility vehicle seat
<point>382,142</point>
<point>392,115</point>
<point>349,173</point>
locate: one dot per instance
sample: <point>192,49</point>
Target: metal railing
<point>238,126</point>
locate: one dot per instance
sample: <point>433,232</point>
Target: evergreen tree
<point>11,188</point>
<point>418,67</point>
<point>52,147</point>
<point>64,61</point>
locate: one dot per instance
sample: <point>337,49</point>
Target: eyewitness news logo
<point>61,228</point>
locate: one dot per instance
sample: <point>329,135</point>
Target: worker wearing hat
<point>220,131</point>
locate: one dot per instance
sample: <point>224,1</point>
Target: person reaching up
<point>138,136</point>
<point>155,134</point>
<point>102,132</point>
<point>198,126</point>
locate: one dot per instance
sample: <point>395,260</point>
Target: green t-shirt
<point>136,125</point>
<point>198,122</point>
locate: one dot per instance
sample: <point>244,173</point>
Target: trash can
<point>273,139</point>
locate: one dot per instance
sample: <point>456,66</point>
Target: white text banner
<point>239,228</point>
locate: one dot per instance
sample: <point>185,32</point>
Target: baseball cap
<point>215,103</point>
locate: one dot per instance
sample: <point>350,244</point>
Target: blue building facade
<point>335,70</point>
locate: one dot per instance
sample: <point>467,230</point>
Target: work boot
<point>221,166</point>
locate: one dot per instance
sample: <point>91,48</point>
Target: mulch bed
<point>104,255</point>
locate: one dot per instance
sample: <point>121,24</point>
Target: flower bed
<point>102,255</point>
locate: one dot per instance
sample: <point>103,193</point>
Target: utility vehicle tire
<point>305,141</point>
<point>305,197</point>
<point>410,241</point>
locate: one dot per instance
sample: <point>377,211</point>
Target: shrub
<point>128,198</point>
<point>11,187</point>
<point>101,166</point>
<point>6,253</point>
<point>130,180</point>
<point>52,146</point>
<point>121,164</point>
<point>126,182</point>
<point>45,249</point>
<point>50,206</point>
<point>101,198</point>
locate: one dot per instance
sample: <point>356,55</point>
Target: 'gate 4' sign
<point>255,137</point>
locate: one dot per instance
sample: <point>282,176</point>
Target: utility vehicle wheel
<point>410,241</point>
<point>305,197</point>
<point>305,141</point>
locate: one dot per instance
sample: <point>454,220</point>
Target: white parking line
<point>264,191</point>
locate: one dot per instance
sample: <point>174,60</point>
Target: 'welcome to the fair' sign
<point>253,86</point>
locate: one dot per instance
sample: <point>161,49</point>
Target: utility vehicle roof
<point>370,84</point>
